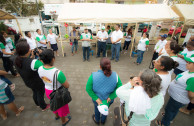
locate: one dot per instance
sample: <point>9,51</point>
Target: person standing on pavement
<point>41,39</point>
<point>127,36</point>
<point>141,47</point>
<point>7,98</point>
<point>181,91</point>
<point>101,87</point>
<point>9,41</point>
<point>52,40</point>
<point>27,69</point>
<point>116,37</point>
<point>6,54</point>
<point>102,36</point>
<point>74,37</point>
<point>86,39</point>
<point>31,41</point>
<point>47,73</point>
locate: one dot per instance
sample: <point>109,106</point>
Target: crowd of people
<point>143,94</point>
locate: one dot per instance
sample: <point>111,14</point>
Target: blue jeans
<point>86,50</point>
<point>116,48</point>
<point>101,47</point>
<point>75,45</point>
<point>139,56</point>
<point>171,110</point>
<point>97,113</point>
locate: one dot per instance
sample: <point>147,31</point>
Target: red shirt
<point>145,30</point>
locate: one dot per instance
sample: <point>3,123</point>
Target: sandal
<point>4,117</point>
<point>93,117</point>
<point>57,118</point>
<point>69,117</point>
<point>158,123</point>
<point>20,110</point>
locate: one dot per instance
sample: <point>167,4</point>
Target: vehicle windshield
<point>87,24</point>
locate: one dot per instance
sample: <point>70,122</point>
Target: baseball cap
<point>191,59</point>
<point>103,108</point>
<point>164,36</point>
<point>103,27</point>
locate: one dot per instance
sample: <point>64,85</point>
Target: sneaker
<point>116,60</point>
<point>125,52</point>
<point>47,107</point>
<point>9,72</point>
<point>88,60</point>
<point>111,59</point>
<point>84,60</point>
<point>185,111</point>
<point>97,56</point>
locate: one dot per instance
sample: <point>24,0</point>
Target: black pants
<point>8,65</point>
<point>38,96</point>
<point>126,45</point>
<point>154,57</point>
<point>190,106</point>
<point>101,47</point>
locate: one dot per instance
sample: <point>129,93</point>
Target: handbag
<point>60,96</point>
<point>120,116</point>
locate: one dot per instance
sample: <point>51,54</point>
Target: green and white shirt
<point>109,33</point>
<point>47,74</point>
<point>35,64</point>
<point>187,53</point>
<point>128,37</point>
<point>180,86</point>
<point>10,43</point>
<point>142,44</point>
<point>7,49</point>
<point>86,36</point>
<point>41,38</point>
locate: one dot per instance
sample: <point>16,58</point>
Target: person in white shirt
<point>102,36</point>
<point>127,36</point>
<point>163,43</point>
<point>31,41</point>
<point>52,40</point>
<point>116,37</point>
<point>41,39</point>
<point>141,47</point>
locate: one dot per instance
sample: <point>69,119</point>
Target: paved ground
<point>81,107</point>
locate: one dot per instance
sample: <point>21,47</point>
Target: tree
<point>21,7</point>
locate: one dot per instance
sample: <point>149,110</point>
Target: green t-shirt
<point>36,64</point>
<point>2,45</point>
<point>61,77</point>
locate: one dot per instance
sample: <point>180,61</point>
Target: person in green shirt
<point>101,87</point>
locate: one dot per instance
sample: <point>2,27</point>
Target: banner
<point>52,7</point>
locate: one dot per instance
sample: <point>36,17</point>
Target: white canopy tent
<point>115,13</point>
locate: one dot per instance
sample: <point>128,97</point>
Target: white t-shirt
<point>9,42</point>
<point>47,74</point>
<point>52,38</point>
<point>159,45</point>
<point>142,44</point>
<point>101,34</point>
<point>166,79</point>
<point>177,89</point>
<point>182,63</point>
<point>41,38</point>
<point>128,37</point>
<point>187,53</point>
<point>31,41</point>
<point>117,35</point>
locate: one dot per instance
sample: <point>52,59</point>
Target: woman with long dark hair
<point>101,87</point>
<point>27,69</point>
<point>7,63</point>
<point>47,73</point>
<point>127,36</point>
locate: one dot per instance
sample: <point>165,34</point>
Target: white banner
<point>52,7</point>
<point>190,33</point>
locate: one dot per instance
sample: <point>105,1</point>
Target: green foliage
<point>21,7</point>
<point>3,27</point>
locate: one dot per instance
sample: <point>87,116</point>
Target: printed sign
<point>52,7</point>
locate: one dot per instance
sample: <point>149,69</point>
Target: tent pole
<point>133,39</point>
<point>96,37</point>
<point>174,30</point>
<point>181,31</point>
<point>61,39</point>
<point>19,27</point>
